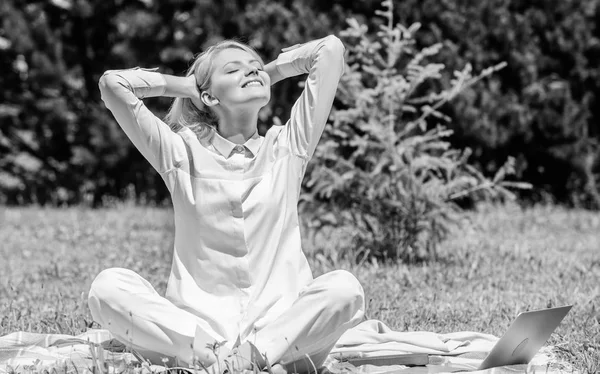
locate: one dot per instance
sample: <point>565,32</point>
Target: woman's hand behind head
<point>195,92</point>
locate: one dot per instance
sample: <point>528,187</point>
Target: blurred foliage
<point>386,168</point>
<point>59,145</point>
<point>541,108</point>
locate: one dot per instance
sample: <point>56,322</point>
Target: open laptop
<point>525,336</point>
<point>523,339</point>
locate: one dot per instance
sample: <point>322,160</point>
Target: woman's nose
<point>252,70</point>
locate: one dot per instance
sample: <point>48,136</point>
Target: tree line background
<point>60,145</point>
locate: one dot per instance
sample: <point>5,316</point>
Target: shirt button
<point>239,148</point>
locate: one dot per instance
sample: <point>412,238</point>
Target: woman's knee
<point>345,290</point>
<point>108,284</point>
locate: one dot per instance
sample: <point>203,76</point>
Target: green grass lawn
<point>506,261</point>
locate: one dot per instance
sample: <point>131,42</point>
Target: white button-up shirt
<point>238,262</point>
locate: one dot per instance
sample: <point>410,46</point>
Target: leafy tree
<point>385,168</point>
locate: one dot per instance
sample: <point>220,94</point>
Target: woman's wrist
<point>274,74</point>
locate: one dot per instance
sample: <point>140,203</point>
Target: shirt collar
<point>225,147</point>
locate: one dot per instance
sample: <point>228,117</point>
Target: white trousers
<point>124,303</point>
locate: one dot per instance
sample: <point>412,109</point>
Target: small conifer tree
<point>385,167</point>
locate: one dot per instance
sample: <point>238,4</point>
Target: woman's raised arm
<point>323,60</point>
<point>122,92</point>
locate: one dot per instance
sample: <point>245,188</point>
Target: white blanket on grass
<point>23,352</point>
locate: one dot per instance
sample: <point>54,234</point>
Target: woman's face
<point>238,79</point>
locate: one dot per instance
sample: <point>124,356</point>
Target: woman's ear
<point>208,99</point>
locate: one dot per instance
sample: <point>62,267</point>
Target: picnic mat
<point>96,351</point>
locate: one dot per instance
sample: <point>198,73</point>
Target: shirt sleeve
<point>122,91</point>
<point>323,60</point>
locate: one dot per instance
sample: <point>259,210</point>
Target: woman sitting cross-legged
<point>239,279</point>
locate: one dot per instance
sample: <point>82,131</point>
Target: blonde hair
<point>183,113</point>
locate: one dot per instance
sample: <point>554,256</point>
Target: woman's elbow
<point>334,50</point>
<point>112,86</point>
<point>107,81</point>
<point>335,44</point>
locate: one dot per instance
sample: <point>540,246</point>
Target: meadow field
<point>504,261</point>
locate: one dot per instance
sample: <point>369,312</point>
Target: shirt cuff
<point>143,82</point>
<point>294,62</point>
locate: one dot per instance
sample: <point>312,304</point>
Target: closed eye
<point>232,71</point>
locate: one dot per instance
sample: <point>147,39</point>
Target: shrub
<point>385,168</point>
<point>542,108</point>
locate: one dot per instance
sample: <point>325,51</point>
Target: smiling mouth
<point>253,83</point>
